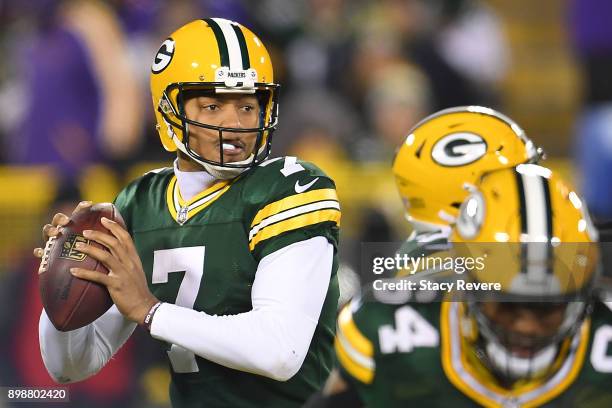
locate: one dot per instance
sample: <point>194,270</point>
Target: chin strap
<point>218,172</point>
<point>223,173</point>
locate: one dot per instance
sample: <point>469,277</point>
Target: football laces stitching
<point>44,262</point>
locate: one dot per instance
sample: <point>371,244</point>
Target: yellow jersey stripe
<point>447,364</point>
<point>293,223</point>
<point>350,332</point>
<point>357,357</point>
<point>459,372</point>
<point>199,202</point>
<point>574,371</point>
<point>295,200</point>
<point>363,374</point>
<point>170,198</point>
<point>194,211</point>
<point>307,208</point>
<point>214,188</point>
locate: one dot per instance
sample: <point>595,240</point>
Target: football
<point>71,302</point>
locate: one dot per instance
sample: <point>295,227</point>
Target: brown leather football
<point>71,302</point>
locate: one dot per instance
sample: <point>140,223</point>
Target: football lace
<point>44,262</point>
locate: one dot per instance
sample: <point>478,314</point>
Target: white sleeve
<point>273,338</point>
<point>78,354</point>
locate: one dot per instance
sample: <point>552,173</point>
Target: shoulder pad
<point>158,170</point>
<point>285,195</point>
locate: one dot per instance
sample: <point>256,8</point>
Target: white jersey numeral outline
<point>191,261</point>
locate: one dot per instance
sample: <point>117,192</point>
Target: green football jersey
<point>414,355</point>
<point>399,353</point>
<point>203,254</point>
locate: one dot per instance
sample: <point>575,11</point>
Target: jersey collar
<point>191,183</point>
<point>467,377</point>
<point>183,210</point>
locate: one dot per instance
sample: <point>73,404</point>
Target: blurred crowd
<point>76,119</point>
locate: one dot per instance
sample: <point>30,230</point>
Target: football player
<point>443,155</point>
<point>229,257</point>
<point>543,342</point>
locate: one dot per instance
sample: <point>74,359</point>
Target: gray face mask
<point>511,367</point>
<point>221,172</point>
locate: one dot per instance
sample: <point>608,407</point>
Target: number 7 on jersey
<point>191,261</point>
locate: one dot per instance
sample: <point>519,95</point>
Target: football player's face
<point>525,321</point>
<point>225,110</point>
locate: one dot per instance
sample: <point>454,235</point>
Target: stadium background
<point>76,119</point>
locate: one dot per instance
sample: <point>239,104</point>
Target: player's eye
<point>248,108</point>
<point>210,107</point>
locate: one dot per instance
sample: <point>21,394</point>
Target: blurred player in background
<point>442,157</point>
<point>249,317</point>
<point>545,344</point>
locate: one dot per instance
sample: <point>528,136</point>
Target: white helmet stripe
<point>535,202</point>
<point>538,230</point>
<point>233,46</point>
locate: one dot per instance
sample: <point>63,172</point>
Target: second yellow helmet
<point>450,149</point>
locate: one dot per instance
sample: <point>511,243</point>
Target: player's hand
<point>58,221</point>
<point>126,281</point>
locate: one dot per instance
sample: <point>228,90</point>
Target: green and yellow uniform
<point>217,239</point>
<point>397,354</point>
<point>414,355</point>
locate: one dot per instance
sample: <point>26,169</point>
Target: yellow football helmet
<point>451,149</point>
<point>220,56</point>
<point>538,242</point>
